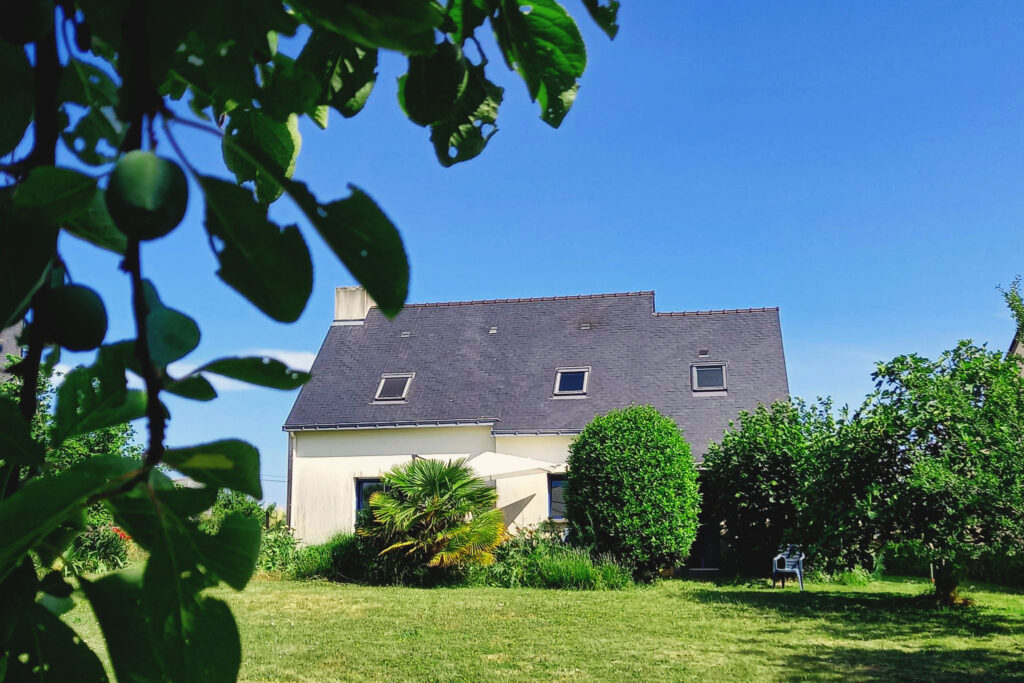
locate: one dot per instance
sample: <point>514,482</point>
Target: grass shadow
<point>870,664</point>
<point>869,614</point>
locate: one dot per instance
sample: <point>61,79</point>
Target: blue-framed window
<point>366,488</point>
<point>557,485</point>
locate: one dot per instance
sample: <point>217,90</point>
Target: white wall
<point>327,463</point>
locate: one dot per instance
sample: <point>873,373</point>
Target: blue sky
<point>859,165</point>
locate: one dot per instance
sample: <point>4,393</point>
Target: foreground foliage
<point>632,489</point>
<point>672,630</point>
<point>102,86</point>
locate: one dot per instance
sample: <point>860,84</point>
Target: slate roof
<point>465,375</point>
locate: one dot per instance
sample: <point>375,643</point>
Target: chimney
<point>351,305</point>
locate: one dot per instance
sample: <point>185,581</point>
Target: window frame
<point>724,386</point>
<point>409,376</point>
<point>360,482</point>
<point>558,377</point>
<point>551,479</point>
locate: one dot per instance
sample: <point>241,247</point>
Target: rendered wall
<point>326,464</point>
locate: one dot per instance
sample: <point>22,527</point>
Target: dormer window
<point>707,376</point>
<point>571,381</point>
<point>394,386</point>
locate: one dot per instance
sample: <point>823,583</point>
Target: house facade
<point>507,384</point>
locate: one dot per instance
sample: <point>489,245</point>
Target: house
<point>507,384</point>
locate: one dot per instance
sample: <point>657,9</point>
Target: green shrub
<point>99,548</point>
<point>539,559</point>
<point>277,551</point>
<point>858,576</point>
<point>632,489</point>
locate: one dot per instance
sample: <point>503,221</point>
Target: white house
<point>507,384</point>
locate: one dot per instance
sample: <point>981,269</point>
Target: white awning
<point>491,465</point>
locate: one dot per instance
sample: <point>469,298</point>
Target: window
<point>557,484</point>
<point>708,376</point>
<point>393,386</point>
<point>571,381</point>
<point>366,488</point>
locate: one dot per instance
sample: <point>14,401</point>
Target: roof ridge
<point>763,309</point>
<point>524,300</point>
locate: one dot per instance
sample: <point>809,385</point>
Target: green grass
<point>674,630</point>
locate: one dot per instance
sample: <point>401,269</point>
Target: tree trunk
<point>947,580</point>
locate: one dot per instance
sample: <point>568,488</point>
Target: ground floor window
<point>556,495</point>
<point>366,488</point>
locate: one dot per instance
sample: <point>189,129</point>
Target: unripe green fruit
<point>72,316</point>
<point>146,195</point>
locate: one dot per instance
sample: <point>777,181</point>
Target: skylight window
<point>393,386</point>
<point>708,377</point>
<point>571,381</point>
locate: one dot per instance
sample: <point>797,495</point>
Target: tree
<point>957,425</point>
<point>1015,302</point>
<point>107,84</point>
<point>754,480</point>
<point>632,489</point>
<point>440,514</point>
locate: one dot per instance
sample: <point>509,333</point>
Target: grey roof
<point>466,375</point>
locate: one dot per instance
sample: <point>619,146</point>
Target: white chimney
<point>351,305</point>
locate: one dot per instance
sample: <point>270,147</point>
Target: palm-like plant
<point>439,510</point>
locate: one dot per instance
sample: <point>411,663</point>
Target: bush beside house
<point>632,490</point>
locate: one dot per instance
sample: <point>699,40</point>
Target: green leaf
<point>51,195</point>
<point>230,463</point>
<point>18,102</point>
<point>467,15</point>
<point>86,84</point>
<point>365,240</point>
<point>54,584</point>
<point>465,133</point>
<point>94,224</point>
<point>434,84</point>
<point>40,506</point>
<point>16,443</point>
<point>266,372</point>
<point>97,396</point>
<point>346,72</point>
<point>195,387</point>
<point>21,277</point>
<point>116,599</point>
<point>255,253</point>
<point>231,554</point>
<point>43,643</point>
<point>196,637</point>
<point>171,334</point>
<point>403,25</point>
<point>95,137</point>
<point>606,16</point>
<point>72,316</point>
<point>289,89</point>
<point>540,40</point>
<point>280,143</point>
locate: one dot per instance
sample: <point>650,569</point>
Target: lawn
<point>311,631</point>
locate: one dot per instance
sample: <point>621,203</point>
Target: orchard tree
<point>632,489</point>
<point>99,86</point>
<point>958,425</point>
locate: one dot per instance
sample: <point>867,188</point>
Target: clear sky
<point>859,165</point>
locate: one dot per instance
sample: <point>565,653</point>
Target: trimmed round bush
<point>632,489</point>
